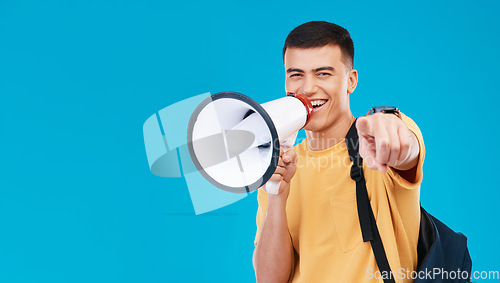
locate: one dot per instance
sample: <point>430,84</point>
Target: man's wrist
<point>385,109</point>
<point>276,201</point>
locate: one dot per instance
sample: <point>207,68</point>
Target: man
<point>309,231</point>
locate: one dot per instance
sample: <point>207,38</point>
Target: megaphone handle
<point>273,187</point>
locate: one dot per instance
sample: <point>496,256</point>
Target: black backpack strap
<point>367,222</point>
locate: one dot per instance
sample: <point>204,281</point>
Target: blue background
<point>79,78</point>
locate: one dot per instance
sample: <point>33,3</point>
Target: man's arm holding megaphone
<point>272,258</point>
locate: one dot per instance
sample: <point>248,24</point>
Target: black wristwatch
<point>385,109</point>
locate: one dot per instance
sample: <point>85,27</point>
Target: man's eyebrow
<point>326,68</point>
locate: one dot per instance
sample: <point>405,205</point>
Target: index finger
<point>364,127</point>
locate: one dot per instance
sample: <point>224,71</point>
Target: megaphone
<point>234,142</point>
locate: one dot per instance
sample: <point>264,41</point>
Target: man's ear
<point>352,81</point>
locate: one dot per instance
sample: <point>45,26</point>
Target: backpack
<point>443,255</point>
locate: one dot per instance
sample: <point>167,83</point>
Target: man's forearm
<point>272,256</point>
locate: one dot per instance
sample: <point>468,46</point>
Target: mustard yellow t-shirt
<point>323,220</point>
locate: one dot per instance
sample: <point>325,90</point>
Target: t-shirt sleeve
<point>412,177</point>
<point>261,212</point>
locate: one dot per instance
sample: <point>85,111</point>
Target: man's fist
<point>385,140</point>
<point>287,165</point>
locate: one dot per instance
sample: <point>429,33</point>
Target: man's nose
<point>309,87</point>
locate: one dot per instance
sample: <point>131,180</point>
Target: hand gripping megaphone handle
<point>273,187</point>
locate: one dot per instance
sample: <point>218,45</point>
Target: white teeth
<point>316,103</point>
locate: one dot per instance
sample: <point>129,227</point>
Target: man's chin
<point>313,128</point>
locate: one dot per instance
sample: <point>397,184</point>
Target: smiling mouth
<point>317,103</point>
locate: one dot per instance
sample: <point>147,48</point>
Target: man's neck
<point>332,136</point>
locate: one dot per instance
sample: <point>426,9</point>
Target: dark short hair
<point>321,33</point>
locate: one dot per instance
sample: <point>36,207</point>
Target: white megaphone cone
<point>234,142</point>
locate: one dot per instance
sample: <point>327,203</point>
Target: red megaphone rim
<point>307,103</point>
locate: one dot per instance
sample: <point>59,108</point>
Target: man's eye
<point>295,75</point>
<point>324,74</point>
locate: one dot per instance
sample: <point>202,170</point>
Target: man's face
<point>321,75</point>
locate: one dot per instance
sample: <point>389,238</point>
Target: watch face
<point>384,109</point>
